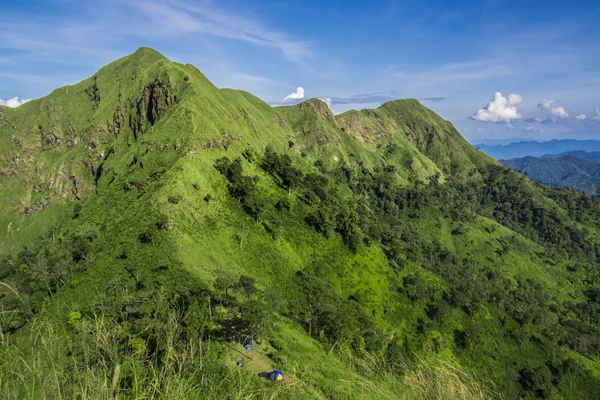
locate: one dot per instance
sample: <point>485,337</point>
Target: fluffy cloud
<point>500,109</point>
<point>297,95</point>
<point>14,102</point>
<point>555,112</point>
<point>581,117</point>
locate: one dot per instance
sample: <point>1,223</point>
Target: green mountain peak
<point>146,52</point>
<point>152,224</point>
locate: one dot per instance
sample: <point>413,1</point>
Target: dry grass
<point>439,379</point>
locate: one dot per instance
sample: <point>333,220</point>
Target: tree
<point>242,235</point>
<point>254,206</point>
<point>290,177</point>
<point>247,284</point>
<point>271,160</point>
<point>254,313</point>
<point>317,184</point>
<point>242,187</point>
<point>224,281</point>
<point>249,154</point>
<point>283,204</point>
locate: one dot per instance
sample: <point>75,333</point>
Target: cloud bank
<point>500,109</point>
<point>433,99</point>
<point>297,95</point>
<point>372,98</point>
<point>13,102</point>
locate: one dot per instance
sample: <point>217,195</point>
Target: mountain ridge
<point>373,251</point>
<point>577,169</point>
<point>537,148</point>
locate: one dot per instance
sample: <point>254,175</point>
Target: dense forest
<point>579,170</point>
<point>156,223</point>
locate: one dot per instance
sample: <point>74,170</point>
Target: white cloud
<point>560,112</point>
<point>581,117</point>
<point>327,101</point>
<point>555,112</point>
<point>13,102</point>
<point>500,109</point>
<point>297,95</point>
<point>597,111</point>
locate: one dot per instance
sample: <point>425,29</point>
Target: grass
<point>155,212</point>
<point>59,363</point>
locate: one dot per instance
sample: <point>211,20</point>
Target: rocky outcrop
<point>93,92</point>
<point>156,99</point>
<point>118,121</point>
<point>320,108</point>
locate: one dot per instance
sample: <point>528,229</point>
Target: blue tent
<point>277,375</point>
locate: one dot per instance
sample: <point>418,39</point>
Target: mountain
<point>538,149</point>
<point>585,155</point>
<point>152,223</point>
<point>578,170</point>
<point>494,142</point>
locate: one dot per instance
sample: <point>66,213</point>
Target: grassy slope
<point>174,156</point>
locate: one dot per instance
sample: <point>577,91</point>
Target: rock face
<point>157,97</point>
<point>320,108</point>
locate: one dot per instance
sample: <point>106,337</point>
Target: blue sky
<point>496,69</point>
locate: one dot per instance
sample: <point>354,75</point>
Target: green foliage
<point>568,170</point>
<point>247,285</point>
<point>224,281</point>
<point>74,319</point>
<point>369,258</point>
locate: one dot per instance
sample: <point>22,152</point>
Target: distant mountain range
<point>579,170</point>
<point>537,149</point>
<point>586,155</point>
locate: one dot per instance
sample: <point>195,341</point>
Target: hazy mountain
<point>538,149</point>
<point>152,223</point>
<point>577,170</point>
<point>586,155</point>
<point>494,142</point>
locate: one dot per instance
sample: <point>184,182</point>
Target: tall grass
<point>99,357</point>
<point>88,363</point>
<point>435,378</point>
<point>430,377</point>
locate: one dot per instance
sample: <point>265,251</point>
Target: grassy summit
<point>151,222</point>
